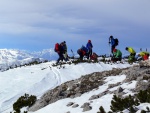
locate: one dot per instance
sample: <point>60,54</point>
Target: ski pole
<point>72,53</point>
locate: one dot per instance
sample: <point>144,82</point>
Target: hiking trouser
<point>133,54</point>
<point>61,57</point>
<point>89,54</point>
<point>116,59</point>
<point>112,48</point>
<point>65,56</point>
<point>81,56</point>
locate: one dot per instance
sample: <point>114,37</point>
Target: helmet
<point>89,40</point>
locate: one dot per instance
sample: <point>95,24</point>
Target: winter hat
<point>89,40</point>
<point>114,50</point>
<point>126,48</point>
<point>64,41</point>
<point>111,36</point>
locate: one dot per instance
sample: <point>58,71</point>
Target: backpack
<point>84,49</point>
<point>94,56</point>
<point>116,41</point>
<point>56,47</point>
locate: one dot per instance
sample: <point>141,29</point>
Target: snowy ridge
<point>37,79</point>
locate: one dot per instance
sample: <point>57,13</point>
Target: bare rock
<point>85,104</point>
<point>94,97</point>
<point>87,108</point>
<point>70,104</point>
<point>75,106</point>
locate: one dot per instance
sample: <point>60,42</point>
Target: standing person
<point>144,55</point>
<point>113,42</point>
<point>65,50</point>
<point>117,55</point>
<point>89,46</point>
<point>132,53</point>
<point>59,49</point>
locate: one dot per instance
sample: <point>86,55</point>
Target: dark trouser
<point>116,59</point>
<point>61,57</point>
<point>81,56</point>
<point>133,54</point>
<point>112,48</point>
<point>89,54</point>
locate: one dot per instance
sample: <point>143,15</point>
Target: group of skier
<point>61,49</point>
<point>117,54</point>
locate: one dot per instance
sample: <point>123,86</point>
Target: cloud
<point>71,14</point>
<point>76,20</point>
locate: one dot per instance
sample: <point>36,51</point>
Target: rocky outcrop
<point>75,88</point>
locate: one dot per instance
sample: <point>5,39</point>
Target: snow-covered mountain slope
<point>130,81</point>
<point>10,58</point>
<point>37,79</point>
<point>48,54</point>
<point>10,55</point>
<point>13,54</point>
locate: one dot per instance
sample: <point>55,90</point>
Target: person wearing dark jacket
<point>60,50</point>
<point>65,50</point>
<point>89,46</point>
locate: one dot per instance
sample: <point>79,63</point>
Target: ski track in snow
<point>44,85</point>
<point>57,75</point>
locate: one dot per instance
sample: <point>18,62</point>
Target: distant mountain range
<point>7,55</point>
<point>10,58</point>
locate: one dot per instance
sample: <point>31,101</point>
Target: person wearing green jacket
<point>132,52</point>
<point>117,55</point>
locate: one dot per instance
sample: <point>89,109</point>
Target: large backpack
<point>94,56</point>
<point>116,41</point>
<point>57,47</point>
<point>84,49</point>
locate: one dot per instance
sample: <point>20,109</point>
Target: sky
<point>35,25</point>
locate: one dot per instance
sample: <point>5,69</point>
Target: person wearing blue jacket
<point>112,42</point>
<point>89,46</point>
